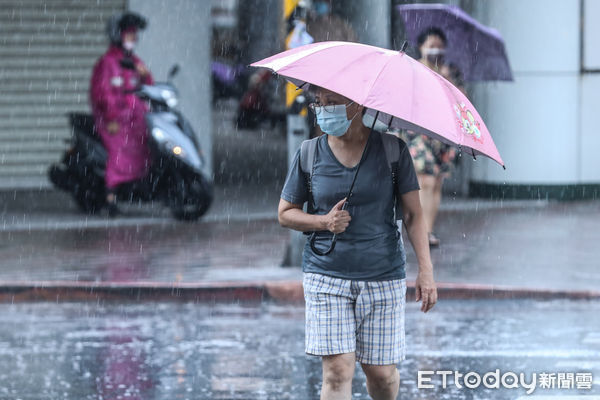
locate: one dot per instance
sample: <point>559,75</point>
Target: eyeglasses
<point>329,108</point>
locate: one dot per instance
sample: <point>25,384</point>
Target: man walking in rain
<point>356,293</point>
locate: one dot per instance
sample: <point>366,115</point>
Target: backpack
<point>392,155</point>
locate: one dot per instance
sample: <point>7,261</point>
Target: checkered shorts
<point>366,317</point>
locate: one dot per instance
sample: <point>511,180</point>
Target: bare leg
<point>436,199</point>
<point>383,381</point>
<point>338,371</point>
<point>427,195</point>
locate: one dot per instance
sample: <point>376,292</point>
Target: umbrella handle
<point>313,236</point>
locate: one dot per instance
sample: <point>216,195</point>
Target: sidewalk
<point>490,249</point>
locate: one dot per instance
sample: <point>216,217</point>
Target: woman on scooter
<point>118,113</point>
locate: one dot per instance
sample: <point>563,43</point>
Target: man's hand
<point>426,290</point>
<point>337,220</point>
<point>113,127</point>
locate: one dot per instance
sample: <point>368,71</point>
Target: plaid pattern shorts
<point>365,317</point>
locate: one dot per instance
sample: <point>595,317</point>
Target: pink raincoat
<point>128,152</point>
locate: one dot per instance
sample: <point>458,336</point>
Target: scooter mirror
<point>173,71</point>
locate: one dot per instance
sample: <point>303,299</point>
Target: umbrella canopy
<point>476,49</point>
<point>401,91</point>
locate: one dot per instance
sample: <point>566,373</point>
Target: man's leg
<point>380,340</point>
<point>338,371</point>
<point>383,381</point>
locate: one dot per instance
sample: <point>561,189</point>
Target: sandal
<point>433,240</point>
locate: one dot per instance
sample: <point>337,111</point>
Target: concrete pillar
<point>180,32</point>
<point>536,121</point>
<point>370,19</point>
<point>297,132</point>
<point>260,29</point>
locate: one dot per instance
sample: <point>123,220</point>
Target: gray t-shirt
<point>369,248</point>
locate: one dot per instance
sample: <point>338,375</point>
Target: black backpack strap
<point>391,146</point>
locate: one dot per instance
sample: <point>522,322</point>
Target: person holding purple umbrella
<point>434,160</point>
<point>478,50</point>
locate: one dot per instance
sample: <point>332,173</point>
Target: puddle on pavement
<point>255,351</point>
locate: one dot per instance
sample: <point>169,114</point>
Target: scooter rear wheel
<point>60,177</point>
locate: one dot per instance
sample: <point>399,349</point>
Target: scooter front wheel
<point>191,198</point>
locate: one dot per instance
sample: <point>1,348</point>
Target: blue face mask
<point>321,8</point>
<point>333,122</point>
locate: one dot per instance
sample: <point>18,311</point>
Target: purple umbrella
<point>476,49</point>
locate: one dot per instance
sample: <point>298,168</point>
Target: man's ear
<point>361,110</point>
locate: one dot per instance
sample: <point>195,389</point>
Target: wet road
<point>255,351</point>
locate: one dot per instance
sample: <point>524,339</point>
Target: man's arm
<point>414,222</point>
<point>292,216</point>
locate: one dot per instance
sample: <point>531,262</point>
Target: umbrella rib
<point>379,74</point>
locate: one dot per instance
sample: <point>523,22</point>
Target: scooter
<point>176,176</point>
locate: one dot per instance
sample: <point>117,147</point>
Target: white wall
<point>591,50</point>
<point>180,32</point>
<point>543,122</point>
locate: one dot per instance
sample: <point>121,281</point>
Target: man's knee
<point>382,376</point>
<point>338,370</point>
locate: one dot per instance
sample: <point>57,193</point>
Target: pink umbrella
<point>401,91</point>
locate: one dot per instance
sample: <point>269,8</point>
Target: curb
<point>250,291</point>
<point>90,223</point>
